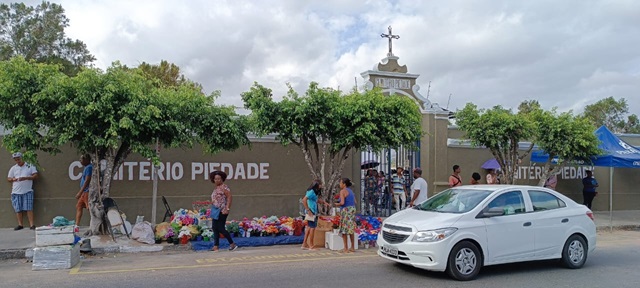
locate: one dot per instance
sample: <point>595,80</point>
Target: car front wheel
<point>574,253</point>
<point>464,262</point>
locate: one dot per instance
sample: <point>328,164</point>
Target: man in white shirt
<point>419,188</point>
<point>21,177</point>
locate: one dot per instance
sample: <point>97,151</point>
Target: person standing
<point>552,180</point>
<point>347,214</point>
<point>589,189</point>
<point>454,179</point>
<point>419,189</point>
<point>492,178</point>
<point>85,181</point>
<point>21,177</point>
<point>399,190</point>
<point>310,202</point>
<point>370,187</point>
<point>221,199</point>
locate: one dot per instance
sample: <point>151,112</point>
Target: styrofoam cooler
<point>333,241</point>
<point>52,236</point>
<point>55,257</point>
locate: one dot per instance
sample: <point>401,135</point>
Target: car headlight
<point>434,235</point>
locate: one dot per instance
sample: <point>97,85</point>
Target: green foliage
<point>119,109</point>
<point>37,33</point>
<point>611,113</point>
<point>560,134</point>
<point>500,130</point>
<point>327,125</point>
<point>565,135</point>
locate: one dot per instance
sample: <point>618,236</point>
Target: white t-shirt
<point>421,185</point>
<point>17,171</point>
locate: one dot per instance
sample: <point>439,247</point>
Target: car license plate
<point>390,251</point>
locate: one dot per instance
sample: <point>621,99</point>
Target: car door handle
<point>526,224</point>
<point>565,220</point>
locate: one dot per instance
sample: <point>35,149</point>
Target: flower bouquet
<point>234,228</point>
<point>207,234</point>
<point>185,235</point>
<point>169,235</point>
<point>335,224</point>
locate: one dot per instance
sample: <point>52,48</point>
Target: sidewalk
<point>19,244</point>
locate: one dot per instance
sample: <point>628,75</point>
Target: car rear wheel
<point>464,262</point>
<point>574,253</point>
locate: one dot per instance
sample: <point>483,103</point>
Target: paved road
<point>614,264</point>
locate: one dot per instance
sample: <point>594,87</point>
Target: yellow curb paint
<point>75,269</point>
<point>297,255</point>
<point>76,272</point>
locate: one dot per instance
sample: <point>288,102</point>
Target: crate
<point>55,257</point>
<point>54,236</point>
<point>333,241</point>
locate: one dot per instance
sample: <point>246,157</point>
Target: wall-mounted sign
<point>142,171</point>
<point>393,83</point>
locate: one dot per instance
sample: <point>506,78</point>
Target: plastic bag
<point>61,221</point>
<point>143,232</point>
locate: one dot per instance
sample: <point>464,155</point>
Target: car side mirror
<point>491,212</point>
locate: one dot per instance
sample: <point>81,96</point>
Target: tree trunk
<point>99,187</point>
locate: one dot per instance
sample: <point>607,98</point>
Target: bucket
<point>86,246</point>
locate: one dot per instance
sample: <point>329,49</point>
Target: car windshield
<point>454,200</point>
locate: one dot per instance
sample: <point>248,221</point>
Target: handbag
<point>309,218</point>
<point>215,212</point>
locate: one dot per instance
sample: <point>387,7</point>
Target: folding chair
<point>168,212</point>
<point>109,204</point>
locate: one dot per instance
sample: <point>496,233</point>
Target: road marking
<point>76,270</point>
<point>263,257</point>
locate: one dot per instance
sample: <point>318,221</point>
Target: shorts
<point>22,202</point>
<point>312,224</point>
<point>83,202</point>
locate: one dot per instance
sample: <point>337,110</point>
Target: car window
<point>510,202</point>
<point>454,200</point>
<point>545,201</point>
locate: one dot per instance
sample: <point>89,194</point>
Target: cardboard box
<point>55,257</point>
<point>54,236</point>
<point>318,237</point>
<point>333,241</point>
<point>323,224</point>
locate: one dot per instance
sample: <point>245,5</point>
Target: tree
<point>611,113</point>
<point>328,126</point>
<point>568,137</point>
<point>109,114</point>
<point>37,33</point>
<point>500,130</point>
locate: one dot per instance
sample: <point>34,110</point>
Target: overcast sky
<point>565,54</point>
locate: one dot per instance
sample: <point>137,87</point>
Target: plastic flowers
<point>207,233</point>
<point>185,231</point>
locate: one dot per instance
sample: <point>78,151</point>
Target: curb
<point>617,227</point>
<point>27,253</point>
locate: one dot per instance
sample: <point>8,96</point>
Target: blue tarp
<point>249,242</point>
<point>617,152</point>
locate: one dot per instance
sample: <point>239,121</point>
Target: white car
<point>461,229</point>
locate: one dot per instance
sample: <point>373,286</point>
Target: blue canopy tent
<point>616,153</point>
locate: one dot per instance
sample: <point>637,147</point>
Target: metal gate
<point>377,197</point>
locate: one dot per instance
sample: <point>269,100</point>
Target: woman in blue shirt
<point>310,202</point>
<point>347,214</point>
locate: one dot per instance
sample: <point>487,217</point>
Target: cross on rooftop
<point>391,37</point>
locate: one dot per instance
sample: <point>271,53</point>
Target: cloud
<point>564,54</point>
